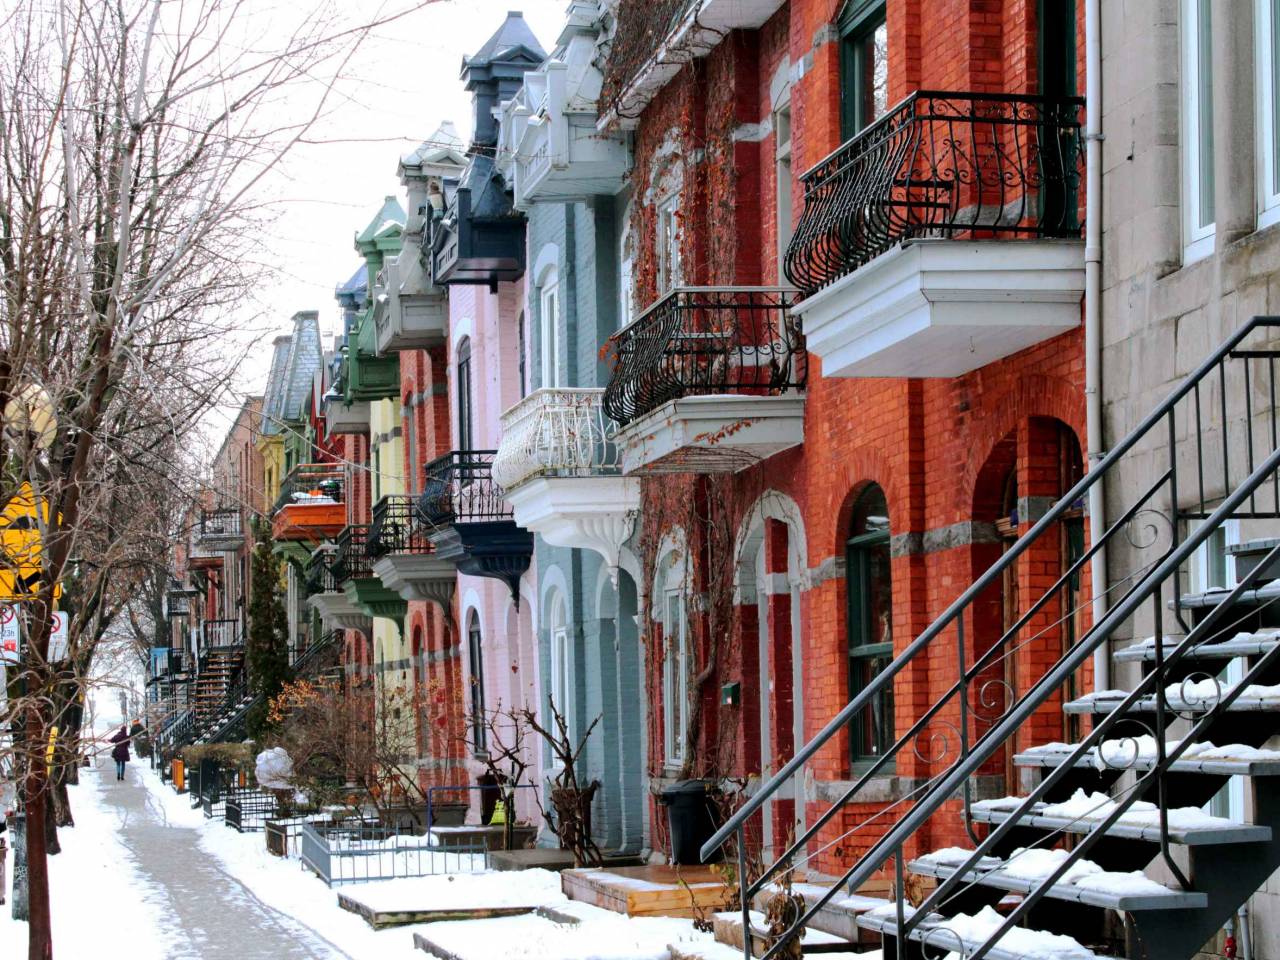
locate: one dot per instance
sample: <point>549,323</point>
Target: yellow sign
<point>53,739</point>
<point>20,542</point>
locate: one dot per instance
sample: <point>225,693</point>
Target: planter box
<point>1249,555</point>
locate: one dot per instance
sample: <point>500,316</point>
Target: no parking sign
<point>10,634</point>
<point>58,637</point>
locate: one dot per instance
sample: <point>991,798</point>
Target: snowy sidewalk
<point>218,916</point>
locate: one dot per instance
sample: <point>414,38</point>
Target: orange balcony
<point>308,521</point>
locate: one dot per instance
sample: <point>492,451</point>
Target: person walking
<point>120,752</point>
<point>138,734</point>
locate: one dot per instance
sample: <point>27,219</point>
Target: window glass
<point>869,622</point>
<point>1267,85</point>
<point>668,244</point>
<point>549,314</point>
<point>1197,129</point>
<point>782,153</point>
<point>864,65</point>
<point>675,676</point>
<point>475,648</point>
<point>464,396</point>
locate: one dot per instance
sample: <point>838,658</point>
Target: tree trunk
<point>39,931</point>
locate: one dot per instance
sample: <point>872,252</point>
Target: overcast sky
<point>400,87</point>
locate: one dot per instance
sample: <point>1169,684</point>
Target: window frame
<point>858,548</point>
<point>675,676</point>
<point>859,20</point>
<point>1267,87</point>
<point>548,332</point>
<point>462,389</point>
<point>1198,237</point>
<point>475,657</point>
<point>626,271</point>
<point>667,220</point>
<point>784,177</point>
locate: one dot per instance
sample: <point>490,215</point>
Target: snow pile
<point>1211,690</point>
<point>889,911</point>
<point>999,803</point>
<point>1132,884</point>
<point>1091,806</point>
<point>274,769</point>
<point>1231,751</point>
<point>1057,746</point>
<point>1036,863</point>
<point>949,856</point>
<point>965,929</point>
<point>1128,750</point>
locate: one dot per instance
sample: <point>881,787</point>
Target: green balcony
<point>368,376</point>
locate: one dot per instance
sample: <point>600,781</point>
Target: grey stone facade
<point>1165,308</point>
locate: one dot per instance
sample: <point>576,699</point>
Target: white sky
<point>400,87</point>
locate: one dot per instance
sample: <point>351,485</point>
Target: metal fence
<point>397,528</point>
<point>459,488</point>
<point>247,811</point>
<point>360,852</point>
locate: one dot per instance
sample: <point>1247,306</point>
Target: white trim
<point>675,674</point>
<point>1264,34</point>
<point>667,242</point>
<point>1197,238</point>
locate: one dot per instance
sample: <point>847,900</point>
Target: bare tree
<point>136,142</point>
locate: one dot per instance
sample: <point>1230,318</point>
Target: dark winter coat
<point>120,752</point>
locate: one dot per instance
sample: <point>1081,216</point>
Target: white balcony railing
<point>558,433</point>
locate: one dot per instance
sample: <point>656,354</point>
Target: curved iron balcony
<point>310,478</point>
<point>701,341</point>
<point>459,488</point>
<point>940,164</point>
<point>556,432</point>
<point>397,528</point>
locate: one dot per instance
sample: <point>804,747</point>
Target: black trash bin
<point>691,814</point>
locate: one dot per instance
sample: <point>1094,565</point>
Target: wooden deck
<point>382,919</point>
<point>649,891</point>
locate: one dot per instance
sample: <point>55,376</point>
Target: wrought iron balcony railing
<point>700,341</point>
<point>556,433</point>
<point>352,559</point>
<point>310,483</point>
<point>459,488</point>
<point>940,165</point>
<point>397,528</point>
<point>222,522</point>
<point>220,633</point>
<point>319,574</point>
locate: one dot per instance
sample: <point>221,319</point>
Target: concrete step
<point>1243,644</point>
<point>1215,766</point>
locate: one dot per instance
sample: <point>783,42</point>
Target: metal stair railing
<point>953,710</point>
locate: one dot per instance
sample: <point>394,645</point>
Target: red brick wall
<point>935,446</point>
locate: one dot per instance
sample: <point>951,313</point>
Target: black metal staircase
<point>1129,794</point>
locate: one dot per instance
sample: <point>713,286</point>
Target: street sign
<point>10,634</point>
<point>58,637</point>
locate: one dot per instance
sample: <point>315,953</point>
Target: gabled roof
<point>390,213</point>
<point>442,149</point>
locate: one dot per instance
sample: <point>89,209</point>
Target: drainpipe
<point>1093,322</point>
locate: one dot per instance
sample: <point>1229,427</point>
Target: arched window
<point>869,621</point>
<point>560,655</point>
<point>475,650</point>
<point>465,431</point>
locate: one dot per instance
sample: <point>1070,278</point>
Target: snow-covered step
<point>1138,753</point>
<point>1188,826</point>
<point>1085,882</point>
<point>1243,644</point>
<point>1190,698</point>
<point>964,933</point>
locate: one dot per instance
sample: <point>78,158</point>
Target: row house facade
<point>767,387</point>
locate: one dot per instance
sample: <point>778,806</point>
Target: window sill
<point>1198,249</point>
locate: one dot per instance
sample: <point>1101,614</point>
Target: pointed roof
<point>273,395</point>
<point>507,42</point>
<point>389,213</point>
<point>444,146</point>
<point>305,358</point>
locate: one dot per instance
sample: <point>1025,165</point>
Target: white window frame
<point>675,676</point>
<point>626,272</point>
<point>1198,238</point>
<point>668,243</point>
<point>1267,40</point>
<point>784,178</point>
<point>548,331</point>
<point>560,656</point>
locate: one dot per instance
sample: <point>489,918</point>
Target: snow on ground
<point>529,888</point>
<point>97,891</point>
